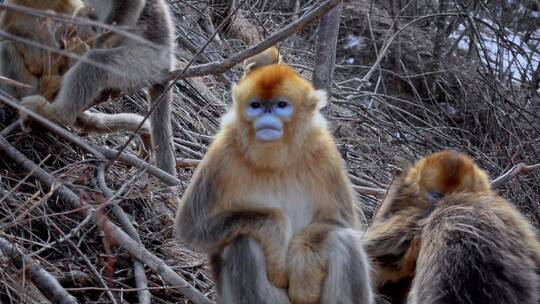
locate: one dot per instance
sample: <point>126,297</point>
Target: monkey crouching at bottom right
<point>477,248</point>
<point>451,239</point>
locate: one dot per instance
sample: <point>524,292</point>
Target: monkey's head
<point>274,110</point>
<point>447,172</point>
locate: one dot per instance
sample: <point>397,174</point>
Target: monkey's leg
<point>122,68</point>
<point>162,137</point>
<point>96,122</point>
<point>241,275</point>
<point>12,67</point>
<point>130,66</point>
<point>269,226</point>
<point>332,259</point>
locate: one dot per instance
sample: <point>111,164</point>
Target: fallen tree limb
<point>42,279</point>
<point>126,242</point>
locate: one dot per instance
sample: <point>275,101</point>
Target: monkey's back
<point>477,249</point>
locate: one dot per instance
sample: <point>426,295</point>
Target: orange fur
<point>447,172</point>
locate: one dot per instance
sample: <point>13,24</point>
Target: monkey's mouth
<point>268,134</point>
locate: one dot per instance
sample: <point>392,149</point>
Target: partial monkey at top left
<point>40,70</point>
<point>117,62</point>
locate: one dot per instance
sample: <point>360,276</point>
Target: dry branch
<point>124,240</point>
<point>214,68</point>
<point>14,83</point>
<point>325,49</point>
<point>516,170</point>
<point>43,280</point>
<point>133,161</point>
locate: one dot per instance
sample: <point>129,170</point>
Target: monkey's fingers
<point>40,105</point>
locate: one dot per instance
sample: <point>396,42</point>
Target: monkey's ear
<point>249,67</point>
<point>280,59</point>
<point>318,99</point>
<point>234,93</point>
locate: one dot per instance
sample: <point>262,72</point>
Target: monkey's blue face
<point>268,117</point>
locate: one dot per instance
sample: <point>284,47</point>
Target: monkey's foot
<point>278,278</point>
<point>41,106</point>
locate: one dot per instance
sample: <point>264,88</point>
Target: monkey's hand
<point>49,85</point>
<point>40,105</point>
<point>393,245</point>
<point>76,45</point>
<point>308,262</point>
<point>270,227</point>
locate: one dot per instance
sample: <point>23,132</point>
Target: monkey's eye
<point>255,104</point>
<point>434,196</point>
<point>282,104</point>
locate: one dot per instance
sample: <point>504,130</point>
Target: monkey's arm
<point>392,244</point>
<point>202,225</point>
<point>33,57</point>
<point>327,247</point>
<point>326,262</point>
<point>12,67</point>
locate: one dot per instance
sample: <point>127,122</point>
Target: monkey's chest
<point>295,202</point>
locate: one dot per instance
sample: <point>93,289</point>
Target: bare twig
<point>66,237</point>
<point>12,127</point>
<point>141,164</point>
<point>43,280</point>
<point>120,236</point>
<point>378,192</point>
<point>391,39</point>
<point>516,170</point>
<point>14,83</point>
<point>187,150</point>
